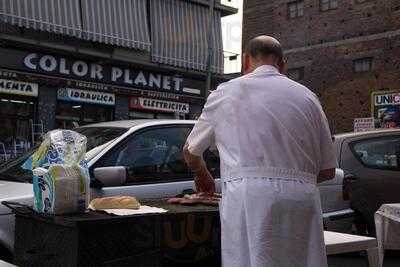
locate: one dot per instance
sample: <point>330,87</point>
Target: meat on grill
<point>199,198</point>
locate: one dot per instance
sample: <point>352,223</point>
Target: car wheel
<point>5,254</point>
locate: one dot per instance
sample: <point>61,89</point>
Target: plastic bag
<point>61,182</point>
<point>59,147</point>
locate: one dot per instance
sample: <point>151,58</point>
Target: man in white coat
<point>275,145</point>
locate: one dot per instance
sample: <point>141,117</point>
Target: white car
<point>141,158</point>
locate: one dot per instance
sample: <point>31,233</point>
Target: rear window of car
<point>378,153</point>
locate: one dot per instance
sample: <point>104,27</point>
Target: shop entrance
<point>73,114</point>
<point>16,115</point>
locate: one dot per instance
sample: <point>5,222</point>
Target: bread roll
<point>121,202</point>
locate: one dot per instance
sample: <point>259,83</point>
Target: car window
<point>378,153</point>
<point>153,155</point>
<point>97,136</point>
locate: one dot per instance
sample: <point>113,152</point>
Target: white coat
<point>273,139</point>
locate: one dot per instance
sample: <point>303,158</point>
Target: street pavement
<point>392,259</point>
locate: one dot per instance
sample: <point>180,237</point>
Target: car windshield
<point>98,138</point>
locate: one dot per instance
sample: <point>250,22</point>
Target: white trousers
<point>271,223</point>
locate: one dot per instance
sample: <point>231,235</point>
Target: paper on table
<point>141,210</point>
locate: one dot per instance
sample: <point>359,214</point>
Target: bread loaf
<point>120,202</point>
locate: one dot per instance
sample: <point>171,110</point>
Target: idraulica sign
<point>83,96</point>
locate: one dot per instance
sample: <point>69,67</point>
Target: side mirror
<point>339,174</point>
<point>110,176</point>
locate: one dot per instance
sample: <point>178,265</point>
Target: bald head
<point>264,46</point>
<point>263,50</point>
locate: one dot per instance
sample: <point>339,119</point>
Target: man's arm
<point>326,175</point>
<point>199,140</point>
<point>327,155</point>
<point>203,178</point>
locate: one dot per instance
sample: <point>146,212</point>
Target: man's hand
<point>204,181</point>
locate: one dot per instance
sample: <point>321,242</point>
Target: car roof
<point>367,133</point>
<point>127,124</point>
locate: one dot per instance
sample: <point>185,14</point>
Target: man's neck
<point>264,64</point>
<point>257,65</point>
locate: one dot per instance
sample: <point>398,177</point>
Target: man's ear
<point>246,63</point>
<point>282,67</point>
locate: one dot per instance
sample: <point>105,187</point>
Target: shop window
<point>378,153</point>
<point>71,115</point>
<point>134,115</point>
<point>328,4</point>
<point>295,9</point>
<point>362,64</point>
<point>232,58</point>
<point>140,115</point>
<point>166,116</point>
<point>296,74</point>
<point>16,115</point>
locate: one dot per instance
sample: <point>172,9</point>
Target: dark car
<point>371,162</point>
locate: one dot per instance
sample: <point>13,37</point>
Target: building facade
<point>346,51</point>
<point>72,62</point>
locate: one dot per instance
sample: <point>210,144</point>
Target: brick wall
<point>326,43</point>
<point>350,19</point>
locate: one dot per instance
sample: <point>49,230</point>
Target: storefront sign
<point>158,105</point>
<point>364,124</point>
<point>18,88</point>
<point>386,108</point>
<point>387,99</point>
<point>8,74</point>
<point>76,95</point>
<point>92,86</point>
<point>84,70</point>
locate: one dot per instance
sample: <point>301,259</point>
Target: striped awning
<point>59,16</point>
<point>116,22</point>
<point>179,35</point>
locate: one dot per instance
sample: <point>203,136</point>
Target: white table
<point>337,243</point>
<point>387,222</point>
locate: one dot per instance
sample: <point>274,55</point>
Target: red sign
<point>158,105</point>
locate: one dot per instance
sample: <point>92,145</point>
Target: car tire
<point>5,254</point>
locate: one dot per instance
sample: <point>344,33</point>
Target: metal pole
<point>210,46</point>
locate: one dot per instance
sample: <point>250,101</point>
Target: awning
<point>116,22</point>
<point>179,35</point>
<point>59,16</point>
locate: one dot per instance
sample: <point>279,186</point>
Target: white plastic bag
<point>61,182</point>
